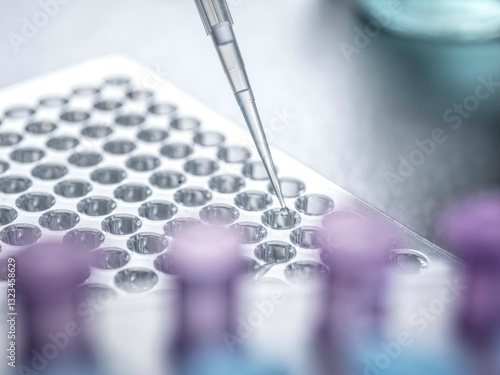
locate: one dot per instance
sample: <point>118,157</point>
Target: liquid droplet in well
<point>285,212</point>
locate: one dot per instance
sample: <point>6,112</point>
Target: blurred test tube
<point>471,229</point>
<point>207,261</point>
<point>357,255</point>
<point>53,340</point>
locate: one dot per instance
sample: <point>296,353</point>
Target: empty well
<point>192,197</point>
<point>7,215</point>
<point>84,238</point>
<point>20,234</point>
<point>209,139</point>
<point>108,105</point>
<point>167,179</point>
<point>147,243</point>
<point>290,187</point>
<point>152,135</point>
<point>201,167</point>
<point>96,131</point>
<point>96,206</point>
<point>233,154</point>
<point>49,171</point>
<point>226,183</point>
<point>162,109</point>
<point>143,163</point>
<point>306,237</point>
<point>314,204</point>
<point>130,120</point>
<point>19,112</point>
<point>185,123</point>
<point>255,170</point>
<point>163,263</point>
<point>176,226</point>
<point>85,159</point>
<point>252,200</point>
<point>75,116</point>
<point>10,139</point>
<point>110,258</point>
<point>117,81</point>
<point>275,252</point>
<point>3,166</point>
<point>72,188</point>
<point>408,262</point>
<point>14,184</point>
<point>132,193</point>
<point>157,210</point>
<point>304,272</point>
<point>249,267</point>
<point>121,224</point>
<point>41,127</point>
<point>86,91</point>
<point>176,150</point>
<point>273,219</point>
<point>136,280</point>
<point>249,232</point>
<point>35,202</point>
<point>53,102</point>
<point>139,94</point>
<point>59,220</point>
<point>119,147</point>
<point>62,143</point>
<point>108,176</point>
<point>27,155</point>
<point>219,214</point>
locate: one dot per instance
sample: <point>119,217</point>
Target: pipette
<point>218,24</point>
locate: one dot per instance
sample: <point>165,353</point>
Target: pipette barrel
<point>217,21</point>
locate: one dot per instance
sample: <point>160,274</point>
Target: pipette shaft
<point>218,23</point>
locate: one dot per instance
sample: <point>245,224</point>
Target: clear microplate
<point>111,157</point>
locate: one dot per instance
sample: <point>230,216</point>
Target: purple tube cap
<point>355,242</point>
<point>471,228</point>
<point>206,254</point>
<point>51,268</point>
